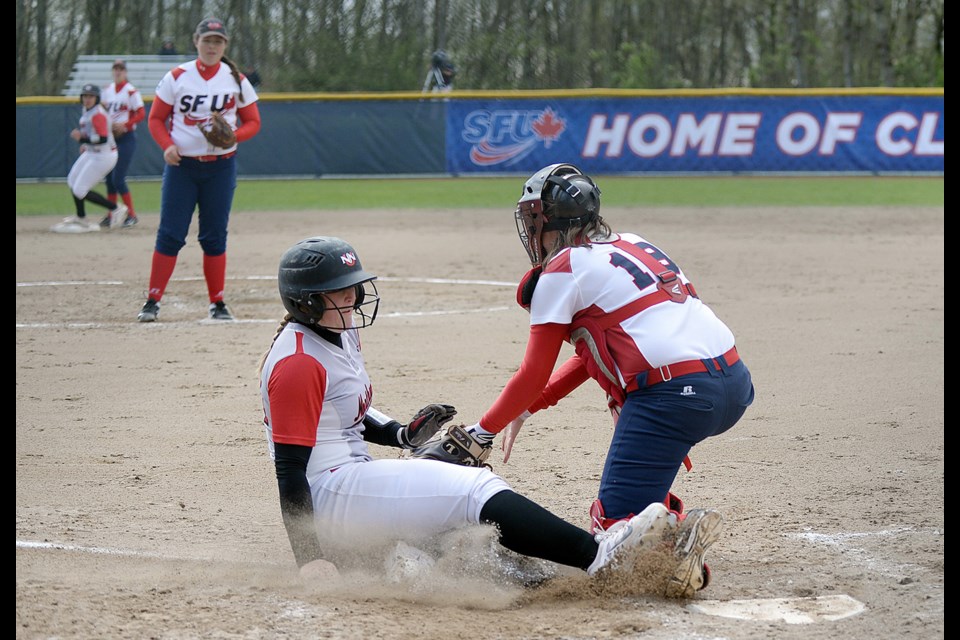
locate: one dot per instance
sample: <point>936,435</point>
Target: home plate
<point>789,610</point>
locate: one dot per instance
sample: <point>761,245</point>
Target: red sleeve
<point>157,122</point>
<point>568,377</point>
<point>100,125</point>
<point>296,389</point>
<point>250,119</point>
<point>525,386</point>
<point>135,117</point>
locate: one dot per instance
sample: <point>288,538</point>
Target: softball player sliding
<point>98,155</point>
<point>672,374</point>
<point>317,401</point>
<point>197,174</point>
<point>124,103</point>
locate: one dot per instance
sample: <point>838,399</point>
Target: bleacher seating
<point>143,71</point>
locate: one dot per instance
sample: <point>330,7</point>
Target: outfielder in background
<point>200,173</point>
<point>668,365</point>
<point>98,155</point>
<point>124,103</point>
<point>318,416</point>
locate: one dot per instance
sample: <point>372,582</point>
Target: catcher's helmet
<point>90,90</point>
<point>319,265</point>
<point>555,198</point>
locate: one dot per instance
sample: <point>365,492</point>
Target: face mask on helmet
<point>316,267</point>
<point>555,198</point>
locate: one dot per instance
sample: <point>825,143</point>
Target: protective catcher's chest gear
<point>555,198</point>
<point>320,265</point>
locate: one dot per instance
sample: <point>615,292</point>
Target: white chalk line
<point>80,283</point>
<point>57,546</point>
<point>842,542</point>
<point>206,321</point>
<point>159,326</point>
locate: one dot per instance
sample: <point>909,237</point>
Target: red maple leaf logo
<point>548,126</point>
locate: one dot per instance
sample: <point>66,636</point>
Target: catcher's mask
<point>555,198</point>
<point>320,265</point>
<point>90,90</point>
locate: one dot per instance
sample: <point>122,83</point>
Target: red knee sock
<point>160,273</point>
<point>128,200</point>
<point>215,272</point>
<point>112,197</point>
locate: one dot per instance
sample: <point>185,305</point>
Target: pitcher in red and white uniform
<point>669,366</point>
<point>124,103</point>
<point>198,175</point>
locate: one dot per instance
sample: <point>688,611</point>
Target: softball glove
<point>456,446</point>
<point>218,132</point>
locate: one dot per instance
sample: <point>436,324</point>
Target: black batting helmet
<point>90,90</point>
<point>320,265</point>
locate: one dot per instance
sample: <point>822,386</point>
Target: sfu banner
<point>728,134</point>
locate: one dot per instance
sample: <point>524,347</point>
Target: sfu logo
<point>505,137</point>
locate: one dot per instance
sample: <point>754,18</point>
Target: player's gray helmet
<point>322,264</point>
<point>554,198</point>
<point>90,90</point>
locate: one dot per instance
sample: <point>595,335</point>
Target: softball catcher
<point>667,364</point>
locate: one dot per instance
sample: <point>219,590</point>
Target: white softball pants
<point>407,499</point>
<point>89,170</point>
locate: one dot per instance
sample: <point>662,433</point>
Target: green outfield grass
<point>502,193</point>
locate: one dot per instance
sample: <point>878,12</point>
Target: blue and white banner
<point>735,134</point>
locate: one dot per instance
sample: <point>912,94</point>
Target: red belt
<point>212,158</point>
<point>678,369</point>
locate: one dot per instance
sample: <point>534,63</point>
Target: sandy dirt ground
<point>146,502</point>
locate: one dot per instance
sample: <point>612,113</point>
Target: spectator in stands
<point>252,76</point>
<point>441,74</point>
<point>125,106</point>
<point>167,48</point>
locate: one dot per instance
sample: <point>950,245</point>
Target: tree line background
<point>386,45</point>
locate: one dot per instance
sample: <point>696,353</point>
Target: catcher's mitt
<point>456,446</point>
<point>217,131</point>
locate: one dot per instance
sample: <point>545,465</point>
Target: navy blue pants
<point>206,186</point>
<point>659,425</point>
<point>117,179</point>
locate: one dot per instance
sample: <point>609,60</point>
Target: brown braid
<point>263,360</point>
<point>235,73</point>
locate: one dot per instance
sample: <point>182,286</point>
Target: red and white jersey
<point>315,394</point>
<point>194,98</point>
<point>121,103</point>
<point>94,125</point>
<point>603,277</point>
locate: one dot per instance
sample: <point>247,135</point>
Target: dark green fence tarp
<point>297,138</point>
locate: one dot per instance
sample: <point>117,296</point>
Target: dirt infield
<point>146,503</point>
